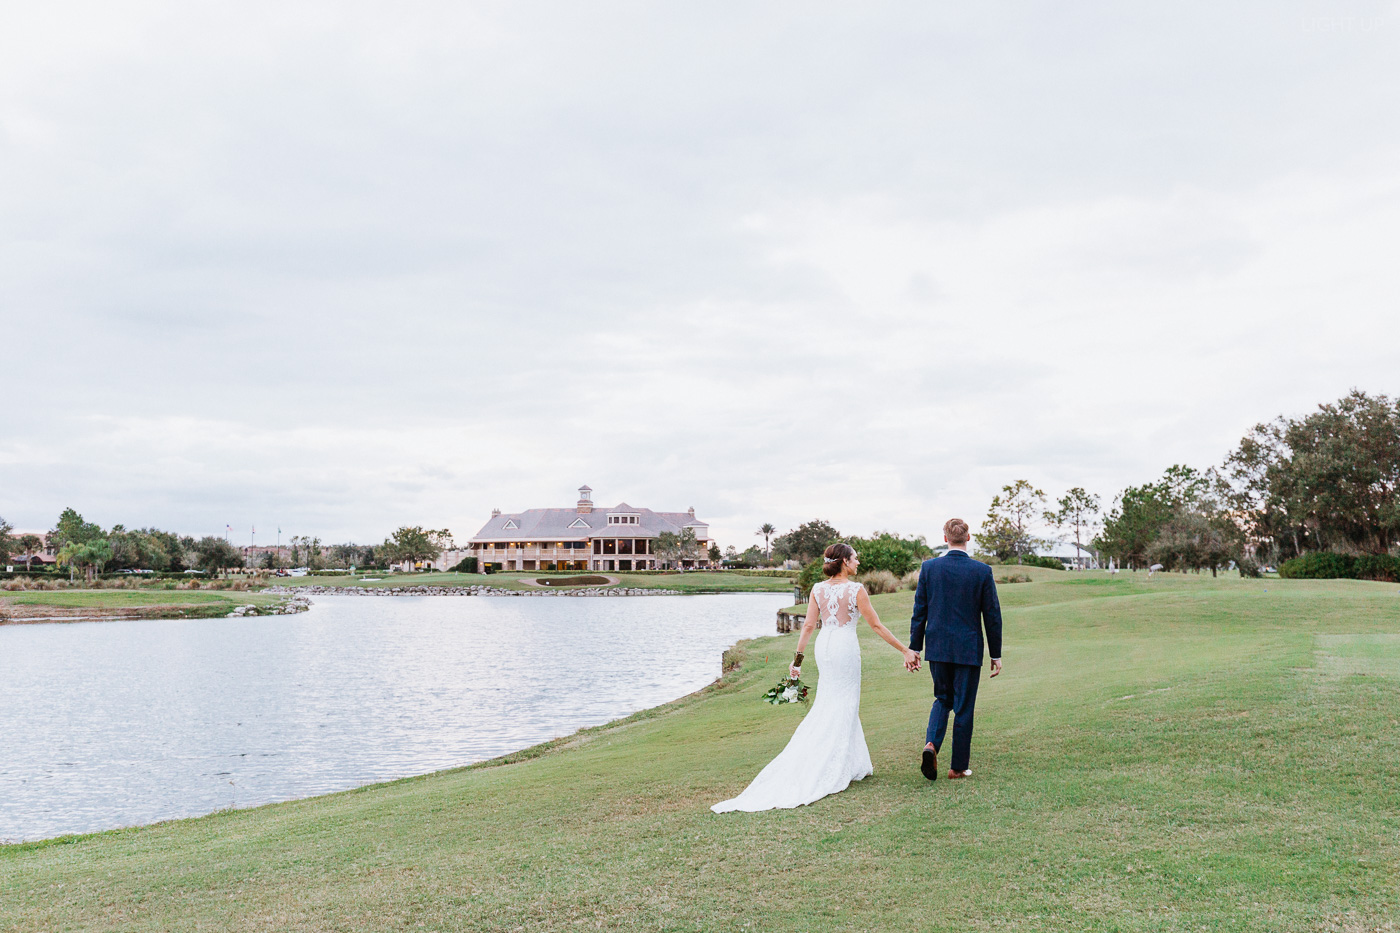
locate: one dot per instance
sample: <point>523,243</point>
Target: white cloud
<point>348,266</point>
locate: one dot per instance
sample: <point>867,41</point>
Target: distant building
<point>445,561</point>
<point>46,554</point>
<point>1086,559</point>
<point>584,538</point>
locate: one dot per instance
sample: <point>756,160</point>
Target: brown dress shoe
<point>928,764</point>
<point>959,775</point>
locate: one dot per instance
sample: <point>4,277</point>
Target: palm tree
<point>766,529</point>
<point>30,545</point>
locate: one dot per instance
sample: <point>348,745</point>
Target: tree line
<point>85,548</point>
<point>1324,483</point>
<point>1317,494</point>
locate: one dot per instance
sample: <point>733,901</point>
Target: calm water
<point>111,724</point>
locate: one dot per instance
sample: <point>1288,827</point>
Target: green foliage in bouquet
<point>787,691</point>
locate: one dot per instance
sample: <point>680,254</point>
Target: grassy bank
<point>693,582</point>
<point>58,605</point>
<point>1179,753</point>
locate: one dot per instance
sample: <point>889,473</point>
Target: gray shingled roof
<point>553,524</point>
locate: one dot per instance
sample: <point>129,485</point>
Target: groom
<point>956,599</point>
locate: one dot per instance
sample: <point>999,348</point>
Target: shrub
<point>879,581</point>
<point>1378,567</point>
<point>1248,567</point>
<point>886,551</point>
<point>1014,578</point>
<point>1328,565</point>
<point>810,576</point>
<point>1319,565</point>
<point>465,565</point>
<point>911,580</point>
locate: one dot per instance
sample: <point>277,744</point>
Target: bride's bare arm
<point>809,625</point>
<point>911,657</point>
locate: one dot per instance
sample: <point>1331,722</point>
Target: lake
<point>107,724</point>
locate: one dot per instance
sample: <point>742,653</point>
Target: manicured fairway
<point>103,599</point>
<point>691,582</point>
<point>1180,753</point>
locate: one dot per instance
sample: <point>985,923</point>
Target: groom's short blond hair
<point>955,530</point>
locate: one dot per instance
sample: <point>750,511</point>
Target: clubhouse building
<point>584,538</point>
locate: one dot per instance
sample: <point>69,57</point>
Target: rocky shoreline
<point>461,591</point>
<point>285,608</point>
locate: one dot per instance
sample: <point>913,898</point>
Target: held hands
<point>911,659</point>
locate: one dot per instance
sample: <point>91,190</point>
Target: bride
<point>827,752</point>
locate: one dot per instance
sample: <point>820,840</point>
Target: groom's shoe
<point>929,764</point>
<point>959,775</point>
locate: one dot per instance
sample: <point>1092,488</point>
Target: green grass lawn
<point>1179,753</point>
<point>383,579</point>
<point>116,599</point>
<point>717,582</point>
<point>693,582</point>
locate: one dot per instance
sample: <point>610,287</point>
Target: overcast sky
<point>340,267</point>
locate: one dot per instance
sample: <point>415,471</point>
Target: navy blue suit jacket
<point>956,598</point>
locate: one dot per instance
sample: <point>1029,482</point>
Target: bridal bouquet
<point>787,690</point>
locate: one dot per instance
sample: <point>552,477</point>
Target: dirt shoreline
<point>40,614</point>
<point>26,614</point>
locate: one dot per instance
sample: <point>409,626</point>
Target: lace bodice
<point>837,601</point>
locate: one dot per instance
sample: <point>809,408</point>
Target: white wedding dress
<point>828,751</point>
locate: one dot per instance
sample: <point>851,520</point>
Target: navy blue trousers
<point>954,691</point>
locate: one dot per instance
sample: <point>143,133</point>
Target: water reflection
<point>121,723</point>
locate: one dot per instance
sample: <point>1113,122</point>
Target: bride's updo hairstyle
<point>835,557</point>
